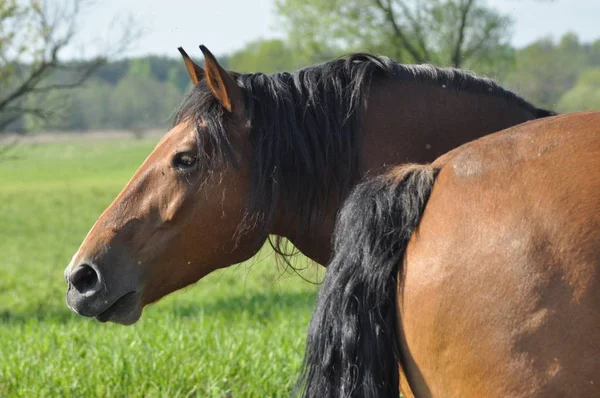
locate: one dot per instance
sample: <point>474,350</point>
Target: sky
<point>227,25</point>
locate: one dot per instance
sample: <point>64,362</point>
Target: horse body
<point>496,292</point>
<point>500,289</point>
<point>253,155</point>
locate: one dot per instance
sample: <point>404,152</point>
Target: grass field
<point>237,333</point>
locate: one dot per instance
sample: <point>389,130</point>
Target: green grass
<point>239,332</point>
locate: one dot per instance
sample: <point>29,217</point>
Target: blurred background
<point>88,87</point>
<point>113,65</point>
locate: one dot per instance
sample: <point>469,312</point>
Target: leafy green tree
<point>89,107</point>
<point>266,56</point>
<point>461,33</point>
<point>545,70</point>
<point>178,77</point>
<point>534,73</point>
<point>141,68</point>
<point>594,53</point>
<point>138,103</point>
<point>112,72</point>
<point>585,95</point>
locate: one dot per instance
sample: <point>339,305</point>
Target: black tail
<point>540,113</point>
<point>351,349</point>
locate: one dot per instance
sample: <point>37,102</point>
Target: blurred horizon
<point>132,77</point>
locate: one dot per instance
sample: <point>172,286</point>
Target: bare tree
<point>33,37</point>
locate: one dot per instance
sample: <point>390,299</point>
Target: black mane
<point>306,127</point>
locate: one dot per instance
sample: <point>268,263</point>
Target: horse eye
<point>184,160</point>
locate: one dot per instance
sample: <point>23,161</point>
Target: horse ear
<point>195,71</point>
<point>221,83</point>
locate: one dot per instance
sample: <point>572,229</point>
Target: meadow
<point>239,332</point>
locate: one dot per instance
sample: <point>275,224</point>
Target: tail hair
<point>352,348</point>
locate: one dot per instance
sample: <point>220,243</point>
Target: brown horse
<point>253,155</point>
<point>479,273</point>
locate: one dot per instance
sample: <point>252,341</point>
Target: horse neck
<point>315,241</point>
<point>408,122</point>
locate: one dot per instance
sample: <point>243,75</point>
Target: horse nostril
<point>84,278</point>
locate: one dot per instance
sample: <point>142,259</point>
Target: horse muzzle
<point>90,294</point>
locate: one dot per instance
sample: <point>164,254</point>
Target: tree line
<point>142,93</point>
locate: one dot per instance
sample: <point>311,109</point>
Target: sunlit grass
<point>239,332</point>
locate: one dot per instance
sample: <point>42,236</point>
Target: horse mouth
<point>124,311</point>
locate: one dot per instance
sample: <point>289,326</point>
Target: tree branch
<point>457,58</point>
<point>25,87</point>
<point>389,13</point>
<point>418,29</point>
<point>469,52</point>
<point>17,112</point>
<point>84,76</point>
<point>8,121</point>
